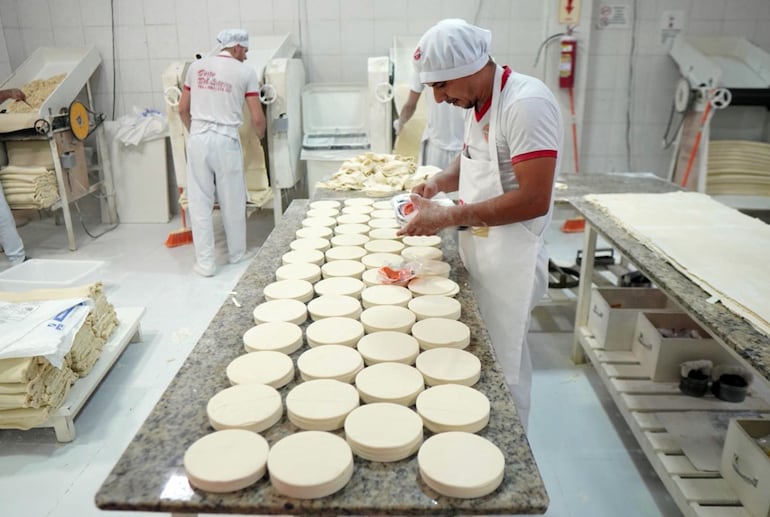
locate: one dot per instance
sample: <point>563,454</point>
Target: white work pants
<point>9,236</point>
<point>432,154</point>
<point>215,168</point>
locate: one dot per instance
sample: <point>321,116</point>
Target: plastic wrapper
<point>405,209</point>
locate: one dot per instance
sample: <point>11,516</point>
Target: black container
<point>695,384</point>
<point>730,388</point>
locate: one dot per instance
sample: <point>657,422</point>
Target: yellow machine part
<point>79,120</point>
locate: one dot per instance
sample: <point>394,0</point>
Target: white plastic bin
<point>50,274</point>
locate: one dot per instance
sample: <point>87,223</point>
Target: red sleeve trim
<point>252,94</point>
<point>186,87</point>
<point>543,153</point>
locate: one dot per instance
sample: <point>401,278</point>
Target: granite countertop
<point>575,186</point>
<point>150,476</point>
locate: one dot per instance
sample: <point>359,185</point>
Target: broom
<point>183,235</point>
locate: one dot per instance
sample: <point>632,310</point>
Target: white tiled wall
<point>337,36</point>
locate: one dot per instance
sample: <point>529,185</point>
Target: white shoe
<point>243,256</point>
<point>203,271</point>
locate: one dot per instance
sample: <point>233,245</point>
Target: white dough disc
<point>445,365</point>
<point>390,382</point>
<point>385,295</point>
<point>388,347</point>
<point>384,246</point>
<point>343,285</point>
<point>361,209</point>
<point>353,219</point>
<point>279,336</point>
<point>344,229</point>
<point>350,239</point>
<point>310,464</point>
<point>299,271</point>
<point>359,201</point>
<point>264,367</point>
<point>303,257</point>
<point>334,305</point>
<point>463,465</point>
<point>310,243</point>
<point>334,331</point>
<point>452,407</point>
<point>435,268</point>
<point>323,232</point>
<point>345,253</point>
<point>387,317</point>
<point>292,311</point>
<point>382,213</point>
<point>321,404</point>
<point>421,253</point>
<point>325,203</point>
<point>433,306</point>
<point>384,233</point>
<point>253,407</point>
<point>322,212</point>
<point>441,332</point>
<point>330,362</point>
<point>383,431</point>
<point>226,461</point>
<point>371,277</point>
<point>422,240</point>
<point>385,204</point>
<point>335,268</point>
<point>377,260</point>
<point>293,289</point>
<point>433,285</point>
<point>329,222</point>
<point>384,222</point>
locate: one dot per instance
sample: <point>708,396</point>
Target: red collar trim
<point>480,114</point>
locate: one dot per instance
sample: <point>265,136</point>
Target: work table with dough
<point>150,476</point>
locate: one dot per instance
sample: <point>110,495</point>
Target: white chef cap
<point>231,37</point>
<point>451,49</point>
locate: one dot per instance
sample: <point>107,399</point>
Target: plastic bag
<point>141,126</point>
<point>405,209</point>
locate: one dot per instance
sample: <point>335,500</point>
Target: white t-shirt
<point>446,123</point>
<point>218,86</point>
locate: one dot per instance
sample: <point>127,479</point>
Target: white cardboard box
<point>746,467</point>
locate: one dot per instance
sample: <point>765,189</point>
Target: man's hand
<point>397,126</point>
<point>430,217</point>
<point>428,189</point>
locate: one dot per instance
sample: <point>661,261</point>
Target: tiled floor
<point>588,458</point>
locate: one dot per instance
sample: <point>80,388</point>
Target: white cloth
<point>451,49</point>
<point>9,235</point>
<point>231,37</point>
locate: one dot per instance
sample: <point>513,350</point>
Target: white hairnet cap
<point>232,37</point>
<point>451,49</point>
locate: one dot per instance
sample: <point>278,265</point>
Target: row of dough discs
<point>359,334</point>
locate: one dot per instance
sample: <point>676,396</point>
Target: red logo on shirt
<point>417,54</point>
<point>207,80</point>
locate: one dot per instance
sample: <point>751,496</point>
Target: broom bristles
<point>179,238</point>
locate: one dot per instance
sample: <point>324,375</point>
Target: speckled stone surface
<point>150,476</point>
<point>734,331</point>
<point>575,186</point>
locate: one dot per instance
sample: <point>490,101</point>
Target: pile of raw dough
<point>37,91</point>
<point>378,174</point>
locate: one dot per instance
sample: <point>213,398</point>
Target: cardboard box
<point>746,467</point>
<point>613,312</point>
<point>662,356</point>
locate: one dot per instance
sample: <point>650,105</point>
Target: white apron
<point>502,266</point>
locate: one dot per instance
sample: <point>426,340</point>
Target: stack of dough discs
<point>253,407</point>
<point>329,222</point>
<point>334,331</point>
<point>421,253</point>
<point>377,260</point>
<point>343,285</point>
<point>344,229</point>
<point>388,347</point>
<point>385,295</point>
<point>351,268</point>
<point>432,306</point>
<point>345,253</point>
<point>322,212</point>
<point>321,404</point>
<point>278,336</point>
<point>353,219</point>
<point>441,332</point>
<point>437,285</point>
<point>310,464</point>
<point>387,317</point>
<point>264,367</point>
<point>350,239</point>
<point>452,407</point>
<point>301,290</point>
<point>448,366</point>
<point>303,256</point>
<point>292,311</point>
<point>358,201</point>
<point>384,233</point>
<point>310,243</point>
<point>422,240</point>
<point>307,232</point>
<point>325,203</point>
<point>397,383</point>
<point>383,213</point>
<point>299,271</point>
<point>331,305</point>
<point>389,222</point>
<point>372,277</point>
<point>226,461</point>
<point>435,268</point>
<point>357,209</point>
<point>385,204</point>
<point>330,362</point>
<point>383,432</point>
<point>463,465</point>
<point>384,246</point>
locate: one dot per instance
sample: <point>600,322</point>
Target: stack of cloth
<point>30,387</point>
<point>29,179</point>
<point>738,167</point>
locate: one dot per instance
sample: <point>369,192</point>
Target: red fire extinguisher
<point>567,61</point>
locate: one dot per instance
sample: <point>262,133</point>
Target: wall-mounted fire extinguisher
<point>567,61</point>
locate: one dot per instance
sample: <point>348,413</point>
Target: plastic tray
<point>50,274</point>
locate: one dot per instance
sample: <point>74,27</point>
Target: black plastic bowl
<point>695,384</point>
<point>730,388</point>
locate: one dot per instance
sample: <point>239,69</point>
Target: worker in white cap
<point>504,178</point>
<point>442,138</point>
<point>211,107</point>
